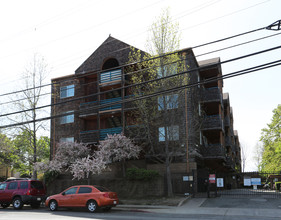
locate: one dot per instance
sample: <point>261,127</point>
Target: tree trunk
<point>123,168</point>
<point>34,175</point>
<point>168,178</point>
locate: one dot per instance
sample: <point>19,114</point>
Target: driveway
<point>246,203</point>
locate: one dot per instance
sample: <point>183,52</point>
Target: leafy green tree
<point>24,150</point>
<point>7,153</point>
<point>27,102</point>
<point>157,116</point>
<point>271,139</point>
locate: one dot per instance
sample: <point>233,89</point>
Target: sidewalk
<point>195,206</point>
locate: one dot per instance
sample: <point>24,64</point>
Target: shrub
<point>141,174</point>
<point>50,176</point>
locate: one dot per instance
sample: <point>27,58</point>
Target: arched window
<point>110,75</point>
<point>110,63</point>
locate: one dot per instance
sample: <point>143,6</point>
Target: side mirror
<point>63,193</point>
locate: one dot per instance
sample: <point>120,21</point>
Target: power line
<point>226,76</point>
<point>149,81</point>
<point>205,44</point>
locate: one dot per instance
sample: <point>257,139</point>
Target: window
<point>67,139</point>
<point>102,189</point>
<point>13,185</point>
<point>170,100</point>
<point>167,70</point>
<point>36,185</point>
<point>161,132</point>
<point>84,190</point>
<point>3,186</point>
<point>67,91</point>
<point>173,133</point>
<point>24,185</point>
<point>70,191</point>
<point>67,118</point>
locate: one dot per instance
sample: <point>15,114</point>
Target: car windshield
<point>36,185</point>
<point>102,189</point>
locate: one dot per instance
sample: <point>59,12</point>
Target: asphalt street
<point>28,214</point>
<point>192,209</point>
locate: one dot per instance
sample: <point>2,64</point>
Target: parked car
<point>91,197</point>
<point>22,191</point>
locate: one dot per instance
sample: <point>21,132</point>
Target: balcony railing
<point>105,132</point>
<point>211,95</point>
<point>89,136</point>
<point>230,162</point>
<point>110,101</point>
<point>213,122</point>
<point>213,151</point>
<point>226,121</point>
<point>90,108</point>
<point>110,76</point>
<point>93,136</point>
<point>228,141</point>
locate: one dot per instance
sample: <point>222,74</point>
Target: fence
<point>251,184</point>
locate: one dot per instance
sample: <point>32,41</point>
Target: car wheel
<point>5,205</point>
<point>17,203</point>
<point>92,206</point>
<point>53,205</point>
<point>35,205</point>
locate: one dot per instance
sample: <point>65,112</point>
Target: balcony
<point>111,77</point>
<point>89,136</point>
<point>213,122</point>
<point>93,136</point>
<point>129,104</point>
<point>105,132</point>
<point>226,121</point>
<point>230,162</point>
<point>92,108</point>
<point>108,102</point>
<point>211,95</point>
<point>213,151</point>
<point>228,141</point>
<point>88,108</point>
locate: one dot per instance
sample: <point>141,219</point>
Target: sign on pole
<point>212,178</point>
<point>219,182</point>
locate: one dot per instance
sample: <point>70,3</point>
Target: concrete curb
<point>183,201</point>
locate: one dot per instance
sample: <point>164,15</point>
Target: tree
<point>244,157</point>
<point>258,151</point>
<point>160,115</point>
<point>118,148</point>
<point>75,158</point>
<point>25,153</point>
<point>7,154</point>
<point>28,102</point>
<point>271,140</point>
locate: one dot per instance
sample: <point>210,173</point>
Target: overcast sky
<point>66,32</point>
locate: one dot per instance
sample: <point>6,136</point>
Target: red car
<point>88,196</point>
<point>22,191</point>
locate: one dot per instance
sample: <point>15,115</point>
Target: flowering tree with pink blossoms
<point>118,148</point>
<point>81,168</point>
<point>78,159</point>
<point>75,158</point>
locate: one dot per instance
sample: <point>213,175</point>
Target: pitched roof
<point>110,48</point>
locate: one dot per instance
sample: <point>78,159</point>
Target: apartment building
<point>89,104</point>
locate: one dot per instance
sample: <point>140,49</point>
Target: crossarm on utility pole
<point>276,26</point>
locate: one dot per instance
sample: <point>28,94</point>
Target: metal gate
<point>183,183</point>
<point>249,184</point>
